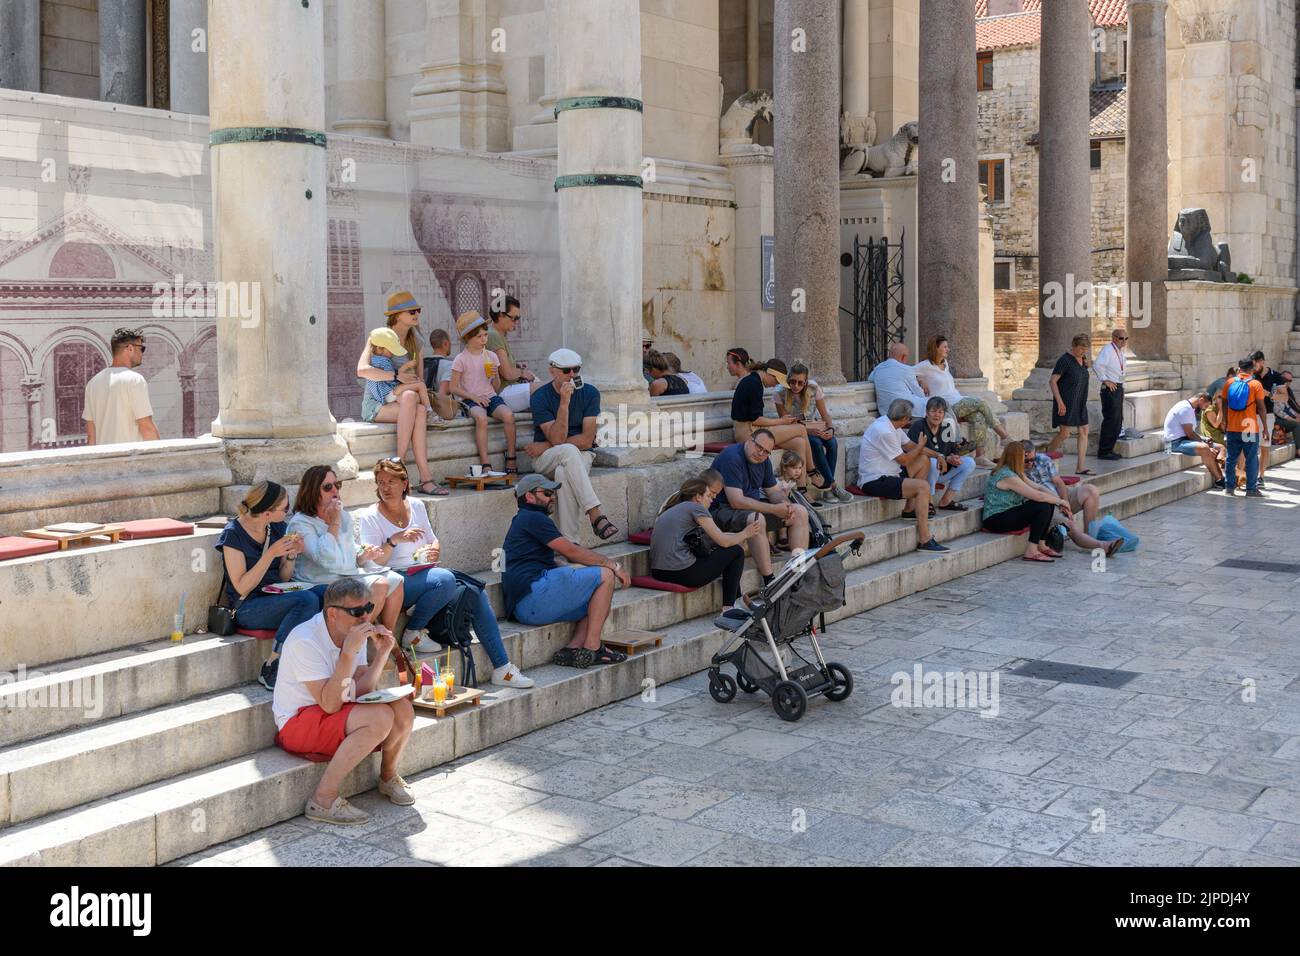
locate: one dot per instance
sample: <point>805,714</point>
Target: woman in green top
<point>1011,502</point>
<point>517,383</point>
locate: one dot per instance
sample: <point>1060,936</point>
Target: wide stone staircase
<point>128,750</point>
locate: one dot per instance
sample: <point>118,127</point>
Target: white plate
<point>286,587</point>
<point>386,695</point>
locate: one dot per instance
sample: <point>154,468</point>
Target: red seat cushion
<point>1021,531</point>
<point>260,635</point>
<point>855,490</point>
<point>17,547</point>
<point>1054,454</point>
<point>641,537</point>
<point>154,528</point>
<point>713,447</point>
<point>654,584</point>
<point>1070,479</point>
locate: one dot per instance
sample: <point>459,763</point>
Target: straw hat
<point>400,301</point>
<point>467,323</point>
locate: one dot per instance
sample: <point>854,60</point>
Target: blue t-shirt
<point>378,392</point>
<point>545,402</point>
<point>747,399</point>
<point>739,472</point>
<point>528,552</point>
<point>234,536</point>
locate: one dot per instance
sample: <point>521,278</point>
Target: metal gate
<point>878,311</point>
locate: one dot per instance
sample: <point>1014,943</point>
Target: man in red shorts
<point>323,670</point>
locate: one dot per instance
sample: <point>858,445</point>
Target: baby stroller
<point>762,645</point>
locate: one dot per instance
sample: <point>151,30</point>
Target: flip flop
<point>1113,548</point>
<point>1041,559</point>
<point>1086,471</point>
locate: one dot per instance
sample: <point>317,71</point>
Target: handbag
<point>698,542</point>
<point>1056,537</point>
<point>221,619</point>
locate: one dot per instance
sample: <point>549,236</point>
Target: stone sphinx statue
<point>896,156</point>
<point>1193,253</point>
<point>736,128</point>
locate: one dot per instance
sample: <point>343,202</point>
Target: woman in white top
<point>803,399</point>
<point>693,381</point>
<point>397,525</point>
<point>935,379</point>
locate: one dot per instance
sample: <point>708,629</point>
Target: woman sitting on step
<point>257,550</point>
<point>936,379</point>
<point>747,405</point>
<point>802,399</point>
<point>398,525</point>
<point>1011,502</point>
<point>689,548</point>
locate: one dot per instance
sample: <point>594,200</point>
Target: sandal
<point>1085,471</point>
<point>604,655</point>
<point>955,506</point>
<point>1039,559</point>
<point>1113,548</point>
<point>578,657</point>
<point>604,528</point>
<point>512,469</point>
<point>437,491</point>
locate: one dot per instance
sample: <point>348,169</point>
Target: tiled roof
<point>1105,13</point>
<point>1024,29</point>
<point>1109,109</point>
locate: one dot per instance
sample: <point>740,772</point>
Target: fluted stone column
<point>269,198</point>
<point>122,51</point>
<point>598,80</point>
<point>856,58</point>
<point>188,67</point>
<point>361,104</point>
<point>1064,181</point>
<point>948,186</point>
<point>20,45</point>
<point>1146,214</point>
<point>807,185</point>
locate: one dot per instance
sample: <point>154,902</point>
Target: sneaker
<point>1255,494</point>
<point>1259,483</point>
<point>341,812</point>
<point>269,671</point>
<point>437,421</point>
<point>1220,483</point>
<point>933,546</point>
<point>1110,456</point>
<point>1229,492</point>
<point>397,790</point>
<point>511,676</point>
<point>842,496</point>
<point>413,636</point>
<point>908,516</point>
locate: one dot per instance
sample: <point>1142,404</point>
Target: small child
<point>385,349</point>
<point>437,379</point>
<point>475,380</point>
<point>789,479</point>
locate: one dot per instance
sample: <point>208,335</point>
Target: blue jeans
<point>955,477</point>
<point>561,594</point>
<point>1238,445</point>
<point>428,592</point>
<point>825,452</point>
<point>280,612</point>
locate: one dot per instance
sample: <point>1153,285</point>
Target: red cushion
<point>641,537</point>
<point>1070,479</point>
<point>16,547</point>
<point>260,635</point>
<point>1021,531</point>
<point>654,584</point>
<point>713,447</point>
<point>154,528</point>
<point>1054,454</point>
<point>855,490</point>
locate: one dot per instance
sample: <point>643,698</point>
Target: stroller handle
<point>842,539</point>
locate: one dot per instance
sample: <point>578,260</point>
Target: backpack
<point>1239,394</point>
<point>453,625</point>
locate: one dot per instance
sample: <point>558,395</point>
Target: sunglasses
<point>331,485</point>
<point>356,612</point>
<point>544,491</point>
<point>1121,338</point>
<point>566,369</point>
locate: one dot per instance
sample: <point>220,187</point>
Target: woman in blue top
<point>257,551</point>
<point>1011,502</point>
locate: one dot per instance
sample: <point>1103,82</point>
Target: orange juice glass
<point>449,677</point>
<point>439,691</point>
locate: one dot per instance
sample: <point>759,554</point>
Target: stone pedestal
<point>188,67</point>
<point>360,98</point>
<point>806,138</point>
<point>20,45</point>
<point>751,170</point>
<point>269,198</point>
<point>537,137</point>
<point>122,51</point>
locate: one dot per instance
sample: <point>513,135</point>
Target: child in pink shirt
<point>475,380</point>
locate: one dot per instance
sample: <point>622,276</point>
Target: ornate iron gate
<point>878,311</point>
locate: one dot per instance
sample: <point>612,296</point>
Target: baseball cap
<point>532,482</point>
<point>564,358</point>
<point>386,338</point>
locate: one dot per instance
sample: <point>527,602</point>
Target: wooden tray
<point>113,532</point>
<point>461,697</point>
<point>630,642</point>
<point>455,481</point>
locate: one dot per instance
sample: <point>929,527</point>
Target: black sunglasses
<point>331,485</point>
<point>357,612</point>
<point>566,369</point>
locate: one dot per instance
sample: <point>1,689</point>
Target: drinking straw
<point>436,672</point>
<point>183,595</point>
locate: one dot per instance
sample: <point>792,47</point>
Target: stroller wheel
<point>721,687</point>
<point>789,700</point>
<point>842,679</point>
<point>745,684</point>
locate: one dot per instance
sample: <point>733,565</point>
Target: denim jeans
<point>280,612</point>
<point>825,452</point>
<point>1239,445</point>
<point>954,478</point>
<point>428,592</point>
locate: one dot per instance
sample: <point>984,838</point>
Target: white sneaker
<point>341,812</point>
<point>511,676</point>
<point>411,637</point>
<point>426,645</point>
<point>398,791</point>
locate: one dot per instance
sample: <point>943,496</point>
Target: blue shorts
<point>1183,446</point>
<point>561,594</point>
<point>496,402</point>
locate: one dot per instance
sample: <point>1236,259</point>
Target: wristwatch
<point>389,541</point>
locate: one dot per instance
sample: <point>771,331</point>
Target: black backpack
<point>453,625</point>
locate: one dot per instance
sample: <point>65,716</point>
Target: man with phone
<point>564,430</point>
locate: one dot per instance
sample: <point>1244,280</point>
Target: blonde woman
<point>936,379</point>
<point>1011,501</point>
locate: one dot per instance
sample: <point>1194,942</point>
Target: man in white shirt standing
<point>1109,366</point>
<point>1181,437</point>
<point>117,405</point>
<point>883,470</point>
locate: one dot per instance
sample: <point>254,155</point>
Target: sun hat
<point>467,323</point>
<point>400,301</point>
<point>386,338</point>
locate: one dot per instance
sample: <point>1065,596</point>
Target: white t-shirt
<point>115,399</point>
<point>308,655</point>
<point>1180,415</point>
<point>376,529</point>
<point>878,456</point>
<point>938,380</point>
<point>784,396</point>
<point>694,383</point>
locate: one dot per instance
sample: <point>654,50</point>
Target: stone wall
<point>70,48</point>
<point>1211,325</point>
<point>1108,184</point>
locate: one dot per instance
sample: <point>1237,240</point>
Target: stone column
<point>32,386</point>
<point>186,378</point>
<point>20,45</point>
<point>188,76</point>
<point>1146,214</point>
<point>948,198</point>
<point>460,99</point>
<point>360,94</point>
<point>753,46</point>
<point>122,51</point>
<point>1064,193</point>
<point>855,59</point>
<point>806,136</point>
<point>268,184</point>
<point>599,184</point>
<point>537,136</point>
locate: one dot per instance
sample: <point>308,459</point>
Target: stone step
<point>185,813</point>
<point>1152,442</point>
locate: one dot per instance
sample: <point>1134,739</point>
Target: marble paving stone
<point>1163,728</point>
<point>918,773</point>
<point>759,818</point>
<point>320,849</point>
<point>434,837</point>
<point>260,841</point>
<point>994,788</point>
<point>849,838</point>
<point>702,705</point>
<point>1201,790</point>
<point>563,819</point>
<point>968,723</point>
<point>583,779</point>
<point>839,793</point>
<point>1277,804</point>
<point>838,758</point>
<point>1104,698</point>
<point>483,800</point>
<point>938,849</point>
<point>761,744</point>
<point>1231,831</point>
<point>664,695</point>
<point>1219,857</point>
<point>687,730</point>
<point>1009,758</point>
<point>604,746</point>
<point>739,851</point>
<point>1035,650</point>
<point>1110,810</point>
<point>665,797</point>
<point>1239,715</point>
<point>1022,830</point>
<point>1265,770</point>
<point>617,861</point>
<point>383,813</point>
<point>655,841</point>
<point>1257,743</point>
<point>1079,717</point>
<point>1018,858</point>
<point>902,740</point>
<point>1128,848</point>
<point>1109,774</point>
<point>1195,758</point>
<point>618,717</point>
<point>522,849</point>
<point>928,812</point>
<point>509,764</point>
<point>1290,750</point>
<point>912,717</point>
<point>679,761</point>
